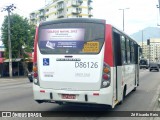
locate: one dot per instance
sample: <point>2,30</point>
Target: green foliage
<point>22,36</point>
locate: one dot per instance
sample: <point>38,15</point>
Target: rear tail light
<point>35,74</point>
<point>106,80</point>
<point>106,70</point>
<point>34,68</point>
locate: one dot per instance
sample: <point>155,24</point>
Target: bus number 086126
<point>86,64</point>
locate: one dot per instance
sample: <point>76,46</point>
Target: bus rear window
<point>143,62</point>
<point>71,38</point>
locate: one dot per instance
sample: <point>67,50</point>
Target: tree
<point>22,37</point>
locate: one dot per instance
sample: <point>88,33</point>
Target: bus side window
<point>123,44</point>
<point>128,51</point>
<point>123,50</point>
<point>132,52</point>
<point>136,52</point>
<point>117,48</point>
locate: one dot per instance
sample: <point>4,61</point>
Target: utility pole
<point>142,44</point>
<point>148,43</point>
<point>9,9</point>
<point>123,15</point>
<point>158,6</point>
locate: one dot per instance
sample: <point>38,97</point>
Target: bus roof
<point>122,32</point>
<point>74,20</point>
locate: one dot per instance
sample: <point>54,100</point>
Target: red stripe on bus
<point>108,53</point>
<point>35,46</point>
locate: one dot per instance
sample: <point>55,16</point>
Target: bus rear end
<point>144,63</point>
<point>69,62</point>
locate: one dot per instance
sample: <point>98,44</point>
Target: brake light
<point>35,74</point>
<point>106,76</point>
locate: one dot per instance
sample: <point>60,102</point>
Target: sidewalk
<point>157,109</point>
<point>15,77</point>
<point>157,104</point>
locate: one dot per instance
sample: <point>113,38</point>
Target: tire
<point>134,88</point>
<point>30,78</point>
<point>124,94</point>
<point>31,81</point>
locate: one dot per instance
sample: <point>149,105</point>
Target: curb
<point>157,104</point>
<point>13,77</point>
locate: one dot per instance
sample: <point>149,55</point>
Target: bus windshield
<point>71,38</point>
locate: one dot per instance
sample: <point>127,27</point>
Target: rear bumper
<point>88,97</point>
<point>144,66</point>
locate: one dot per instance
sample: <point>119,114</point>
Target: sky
<point>139,15</point>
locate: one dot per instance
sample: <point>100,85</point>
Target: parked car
<point>30,76</point>
<point>154,66</point>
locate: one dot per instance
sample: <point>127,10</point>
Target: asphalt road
<point>16,95</point>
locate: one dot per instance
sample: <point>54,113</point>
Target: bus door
<point>137,48</point>
<point>118,65</point>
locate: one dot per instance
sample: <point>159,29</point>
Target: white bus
<point>80,60</point>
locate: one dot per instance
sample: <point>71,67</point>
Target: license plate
<point>68,96</point>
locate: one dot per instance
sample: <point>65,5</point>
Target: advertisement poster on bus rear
<point>62,38</point>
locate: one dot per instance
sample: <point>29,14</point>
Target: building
<point>2,50</point>
<point>17,66</point>
<point>63,9</point>
<point>152,51</point>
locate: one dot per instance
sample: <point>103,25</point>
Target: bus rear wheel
<point>124,94</point>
